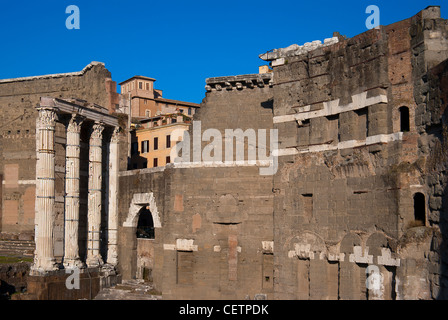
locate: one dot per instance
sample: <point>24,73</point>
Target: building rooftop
<point>137,77</point>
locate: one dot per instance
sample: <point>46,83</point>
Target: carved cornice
<point>248,81</point>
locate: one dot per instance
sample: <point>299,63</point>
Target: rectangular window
<point>189,111</point>
<point>140,85</point>
<point>155,162</point>
<point>156,143</point>
<point>268,271</point>
<point>307,202</point>
<point>168,141</point>
<point>363,124</point>
<point>145,146</point>
<point>147,86</point>
<point>168,159</point>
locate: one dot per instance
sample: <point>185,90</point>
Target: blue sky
<point>179,43</point>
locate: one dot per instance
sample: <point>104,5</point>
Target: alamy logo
<point>72,281</point>
<point>373,21</point>
<point>73,20</point>
<point>252,142</point>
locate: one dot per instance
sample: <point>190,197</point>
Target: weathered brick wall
<point>342,202</point>
<point>214,219</point>
<point>143,181</point>
<point>330,204</point>
<point>227,213</point>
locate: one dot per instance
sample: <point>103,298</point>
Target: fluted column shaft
<point>94,196</point>
<point>112,244</point>
<point>72,178</point>
<point>44,260</point>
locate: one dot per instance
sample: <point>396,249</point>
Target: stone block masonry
<point>356,209</point>
<point>342,218</point>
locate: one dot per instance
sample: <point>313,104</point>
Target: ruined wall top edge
<point>57,75</point>
<point>295,50</point>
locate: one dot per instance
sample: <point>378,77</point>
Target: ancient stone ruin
<point>356,207</point>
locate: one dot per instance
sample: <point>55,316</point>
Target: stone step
<point>129,290</point>
<point>17,247</point>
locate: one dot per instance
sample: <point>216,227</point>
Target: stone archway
<point>139,202</point>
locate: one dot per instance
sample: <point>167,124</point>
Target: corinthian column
<point>112,251</point>
<point>72,176</point>
<point>44,260</point>
<point>94,199</point>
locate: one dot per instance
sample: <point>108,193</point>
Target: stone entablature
<point>248,81</point>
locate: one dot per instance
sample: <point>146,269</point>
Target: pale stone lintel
<point>332,107</point>
<point>360,256</point>
<point>336,256</point>
<point>268,246</point>
<point>21,182</point>
<point>278,62</point>
<point>380,138</point>
<point>223,164</point>
<point>201,164</point>
<point>301,251</point>
<point>182,245</point>
<point>386,258</point>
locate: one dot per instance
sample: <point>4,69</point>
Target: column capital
<point>115,135</point>
<point>97,130</point>
<point>75,123</point>
<point>47,117</point>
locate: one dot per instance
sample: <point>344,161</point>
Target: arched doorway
<point>145,224</point>
<point>138,236</point>
<point>145,245</point>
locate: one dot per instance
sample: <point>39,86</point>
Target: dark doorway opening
<point>404,119</point>
<point>145,225</point>
<point>419,208</point>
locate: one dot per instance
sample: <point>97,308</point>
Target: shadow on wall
<point>442,169</point>
<point>443,293</point>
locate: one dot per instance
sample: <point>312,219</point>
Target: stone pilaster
<point>72,178</point>
<point>94,258</point>
<point>112,244</point>
<point>44,260</point>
